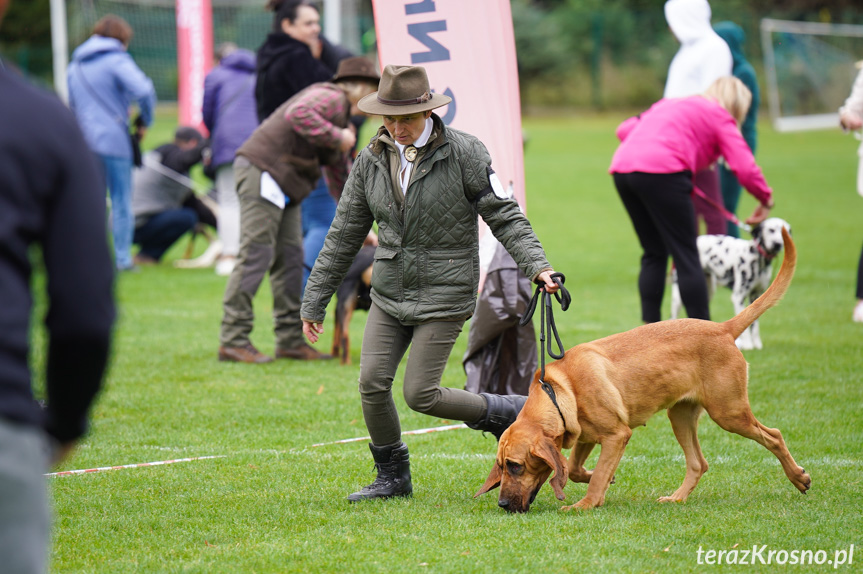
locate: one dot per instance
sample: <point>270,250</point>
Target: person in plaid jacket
<point>275,169</point>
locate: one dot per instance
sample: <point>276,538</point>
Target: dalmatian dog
<point>743,265</point>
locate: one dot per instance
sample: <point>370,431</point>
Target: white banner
<point>468,50</point>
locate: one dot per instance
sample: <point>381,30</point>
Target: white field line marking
<point>163,462</point>
<point>405,433</point>
<point>138,465</point>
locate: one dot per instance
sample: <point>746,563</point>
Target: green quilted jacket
<point>426,264</point>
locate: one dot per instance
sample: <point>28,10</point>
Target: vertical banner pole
<point>60,48</point>
<point>194,58</point>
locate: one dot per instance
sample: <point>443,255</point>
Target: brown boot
<point>302,353</point>
<point>246,354</point>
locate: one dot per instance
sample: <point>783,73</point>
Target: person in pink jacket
<point>653,169</point>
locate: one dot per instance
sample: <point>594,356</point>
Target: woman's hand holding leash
<point>548,284</point>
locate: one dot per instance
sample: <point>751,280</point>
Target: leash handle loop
<point>563,297</point>
<point>546,320</point>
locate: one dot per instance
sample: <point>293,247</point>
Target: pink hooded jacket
<point>687,134</point>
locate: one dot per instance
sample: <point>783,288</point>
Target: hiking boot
<point>394,474</point>
<point>245,354</point>
<point>501,412</point>
<point>302,353</point>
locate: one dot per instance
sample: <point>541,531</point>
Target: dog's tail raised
<point>737,324</point>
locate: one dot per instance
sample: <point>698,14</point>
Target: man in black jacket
<point>51,195</point>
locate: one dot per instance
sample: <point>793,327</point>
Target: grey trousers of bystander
<point>24,512</point>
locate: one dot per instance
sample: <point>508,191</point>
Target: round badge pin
<point>410,153</point>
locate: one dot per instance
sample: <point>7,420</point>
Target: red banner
<point>194,58</point>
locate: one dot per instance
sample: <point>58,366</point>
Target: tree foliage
<point>27,22</point>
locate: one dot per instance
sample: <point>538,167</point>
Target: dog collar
<point>764,253</point>
<point>549,390</point>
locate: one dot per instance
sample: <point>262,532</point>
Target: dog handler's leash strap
<point>721,209</point>
<point>546,320</point>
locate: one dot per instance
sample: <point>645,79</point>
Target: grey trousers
<point>24,513</point>
<point>271,239</point>
<point>385,342</point>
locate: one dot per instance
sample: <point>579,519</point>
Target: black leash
<point>546,320</point>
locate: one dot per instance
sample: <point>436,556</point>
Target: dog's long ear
<point>756,231</point>
<point>493,480</point>
<point>553,458</point>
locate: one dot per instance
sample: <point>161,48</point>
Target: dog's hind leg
<point>577,472</point>
<point>740,420</point>
<point>346,337</point>
<point>337,333</point>
<point>612,446</point>
<point>684,421</point>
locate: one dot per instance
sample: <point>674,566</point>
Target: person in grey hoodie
<point>702,58</point>
<point>104,82</point>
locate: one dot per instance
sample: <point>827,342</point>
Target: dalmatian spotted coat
<point>743,265</point>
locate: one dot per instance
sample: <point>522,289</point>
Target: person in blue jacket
<point>104,82</point>
<point>230,113</point>
<point>743,70</point>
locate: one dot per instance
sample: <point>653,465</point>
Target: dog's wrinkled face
<point>769,234</point>
<point>526,458</point>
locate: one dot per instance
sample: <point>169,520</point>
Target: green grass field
<point>274,503</point>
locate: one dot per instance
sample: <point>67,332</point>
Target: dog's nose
<point>503,503</point>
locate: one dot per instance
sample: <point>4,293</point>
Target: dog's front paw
<point>744,344</point>
<point>671,498</point>
<point>583,504</point>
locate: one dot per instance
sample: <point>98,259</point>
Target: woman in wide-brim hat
<point>423,184</point>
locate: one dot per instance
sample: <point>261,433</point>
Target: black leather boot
<point>394,474</point>
<point>501,413</point>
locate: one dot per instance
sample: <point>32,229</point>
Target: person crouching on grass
<point>423,184</point>
<point>275,169</point>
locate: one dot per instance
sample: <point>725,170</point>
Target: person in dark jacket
<point>423,184</point>
<point>230,113</point>
<point>51,195</point>
<point>319,207</point>
<point>742,70</point>
<point>289,59</point>
<point>292,58</point>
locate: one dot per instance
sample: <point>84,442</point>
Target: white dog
<point>743,265</point>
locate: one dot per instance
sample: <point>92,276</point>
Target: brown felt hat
<point>357,69</point>
<point>403,90</point>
